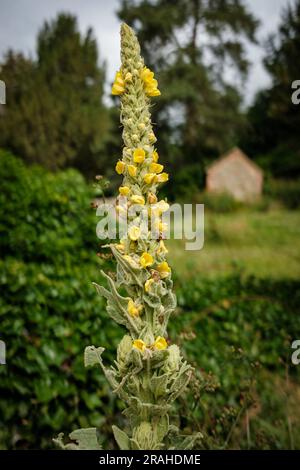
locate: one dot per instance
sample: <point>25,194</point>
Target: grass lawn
<point>266,244</point>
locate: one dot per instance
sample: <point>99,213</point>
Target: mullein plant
<point>149,373</point>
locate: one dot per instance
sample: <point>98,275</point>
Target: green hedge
<point>49,310</point>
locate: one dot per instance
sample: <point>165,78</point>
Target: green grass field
<point>266,244</point>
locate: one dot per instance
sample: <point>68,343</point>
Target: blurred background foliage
<point>57,116</point>
<point>238,298</point>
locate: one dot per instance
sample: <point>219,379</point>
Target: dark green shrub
<point>44,216</point>
<point>285,191</point>
<point>48,315</point>
<point>185,183</point>
<point>49,310</point>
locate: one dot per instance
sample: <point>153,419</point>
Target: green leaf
<point>92,355</point>
<point>121,438</point>
<point>85,439</point>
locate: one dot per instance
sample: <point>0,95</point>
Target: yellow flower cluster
<point>149,82</point>
<point>147,77</point>
<point>160,344</point>
<point>154,176</point>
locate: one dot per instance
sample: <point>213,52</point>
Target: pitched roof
<point>240,154</point>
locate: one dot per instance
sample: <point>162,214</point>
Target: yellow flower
<point>150,178</point>
<point>155,156</point>
<point>119,85</point>
<point>152,199</point>
<point>139,344</point>
<point>160,343</point>
<point>146,260</point>
<point>163,206</point>
<point>138,199</point>
<point>162,248</point>
<point>148,284</point>
<point>132,309</point>
<point>153,91</point>
<point>131,170</point>
<point>139,155</point>
<point>149,81</point>
<point>156,167</point>
<point>164,269</point>
<point>124,190</point>
<point>134,233</point>
<point>146,75</point>
<point>162,178</point>
<point>120,167</point>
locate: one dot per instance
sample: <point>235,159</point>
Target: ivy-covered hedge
<point>49,310</point>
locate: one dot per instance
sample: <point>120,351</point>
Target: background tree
<point>192,45</point>
<point>274,119</point>
<point>54,113</point>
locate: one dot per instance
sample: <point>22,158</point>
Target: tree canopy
<point>274,118</point>
<point>54,113</point>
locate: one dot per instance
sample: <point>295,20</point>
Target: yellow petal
<point>132,170</point>
<point>160,343</point>
<point>138,199</point>
<point>164,269</point>
<point>139,344</point>
<point>154,92</point>
<point>162,178</point>
<point>132,309</point>
<point>120,167</point>
<point>139,155</point>
<point>146,74</point>
<point>150,178</point>
<point>155,156</point>
<point>156,167</point>
<point>119,85</point>
<point>124,190</point>
<point>146,260</point>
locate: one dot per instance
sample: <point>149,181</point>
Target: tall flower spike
<point>148,373</point>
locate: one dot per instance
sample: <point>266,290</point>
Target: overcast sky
<point>20,21</point>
